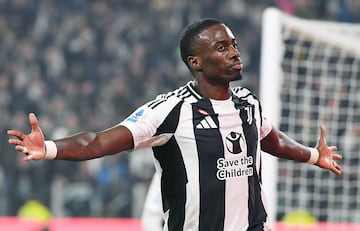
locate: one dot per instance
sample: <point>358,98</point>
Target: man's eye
<point>221,48</point>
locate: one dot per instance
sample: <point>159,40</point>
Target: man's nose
<point>234,52</point>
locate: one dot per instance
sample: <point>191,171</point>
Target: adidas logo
<point>206,123</point>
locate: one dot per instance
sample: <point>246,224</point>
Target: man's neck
<point>212,91</point>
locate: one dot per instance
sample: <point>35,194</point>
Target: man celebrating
<point>206,138</point>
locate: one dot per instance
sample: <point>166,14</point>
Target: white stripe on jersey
<point>191,161</point>
<point>236,184</point>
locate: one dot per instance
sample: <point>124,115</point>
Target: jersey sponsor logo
<point>234,168</point>
<point>134,117</point>
<point>206,123</point>
<point>235,142</point>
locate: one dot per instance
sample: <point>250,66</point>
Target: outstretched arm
<point>279,144</point>
<point>81,146</point>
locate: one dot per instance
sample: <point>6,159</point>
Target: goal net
<point>310,75</point>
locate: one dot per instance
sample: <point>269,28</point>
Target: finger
<point>11,132</point>
<point>28,158</point>
<point>15,141</point>
<point>21,149</point>
<point>15,133</point>
<point>333,148</point>
<point>336,157</point>
<point>323,130</point>
<point>336,169</point>
<point>322,138</point>
<point>33,121</point>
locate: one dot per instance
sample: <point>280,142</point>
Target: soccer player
<point>206,138</point>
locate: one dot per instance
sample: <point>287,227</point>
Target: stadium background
<point>84,65</point>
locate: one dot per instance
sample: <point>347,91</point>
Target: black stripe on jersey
<point>193,91</point>
<point>153,104</point>
<point>257,214</point>
<point>237,89</point>
<point>210,148</point>
<point>245,97</point>
<point>181,93</point>
<point>173,178</point>
<point>185,94</point>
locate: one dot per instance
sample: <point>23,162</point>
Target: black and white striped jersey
<point>207,153</point>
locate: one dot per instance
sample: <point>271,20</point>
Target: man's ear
<point>194,63</point>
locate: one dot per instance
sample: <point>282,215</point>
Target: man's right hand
<point>32,144</point>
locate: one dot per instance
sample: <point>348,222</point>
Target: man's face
<point>217,55</point>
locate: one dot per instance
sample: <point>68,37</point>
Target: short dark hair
<point>189,34</point>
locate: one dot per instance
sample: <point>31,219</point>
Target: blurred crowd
<point>85,65</point>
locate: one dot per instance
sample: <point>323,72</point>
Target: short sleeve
<point>141,124</point>
<point>144,122</point>
<point>265,129</point>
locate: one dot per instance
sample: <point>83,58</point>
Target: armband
<point>314,156</point>
<point>50,150</point>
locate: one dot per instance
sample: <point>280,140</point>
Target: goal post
<point>270,75</point>
<point>310,75</point>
